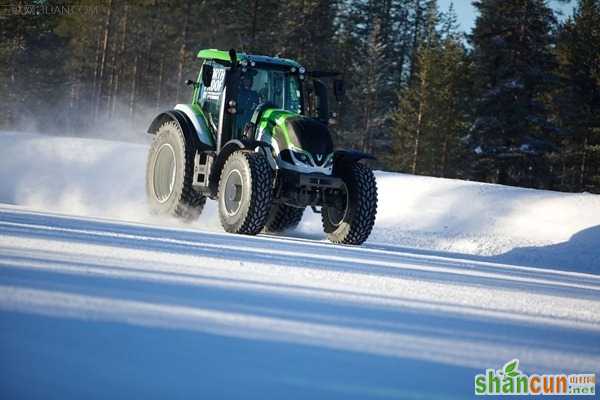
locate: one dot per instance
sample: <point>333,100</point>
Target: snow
<point>100,299</point>
<point>101,178</point>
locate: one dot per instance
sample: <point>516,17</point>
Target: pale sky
<point>466,12</point>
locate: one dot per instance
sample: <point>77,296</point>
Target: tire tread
<point>363,182</point>
<point>261,183</point>
<point>190,203</point>
<point>283,217</point>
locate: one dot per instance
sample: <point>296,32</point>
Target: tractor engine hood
<point>311,136</point>
<point>296,139</point>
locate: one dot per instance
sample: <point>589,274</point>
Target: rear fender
<point>194,114</point>
<point>186,125</point>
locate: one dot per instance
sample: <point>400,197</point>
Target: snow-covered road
<point>98,299</point>
<point>98,309</point>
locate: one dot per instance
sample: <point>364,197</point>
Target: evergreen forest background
<point>514,101</point>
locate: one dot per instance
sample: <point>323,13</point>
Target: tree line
<point>515,101</point>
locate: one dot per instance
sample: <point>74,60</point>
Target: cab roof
<point>222,55</point>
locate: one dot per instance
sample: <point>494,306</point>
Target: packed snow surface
<point>99,299</point>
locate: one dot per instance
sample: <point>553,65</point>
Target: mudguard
<point>342,158</point>
<point>185,123</point>
<point>194,114</point>
<point>250,131</point>
<point>226,150</point>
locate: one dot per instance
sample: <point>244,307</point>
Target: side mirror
<point>190,82</point>
<point>233,57</point>
<point>321,107</point>
<point>339,89</point>
<point>207,73</point>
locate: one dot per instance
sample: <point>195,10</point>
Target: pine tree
<point>374,52</point>
<point>433,110</point>
<point>578,100</point>
<point>32,69</point>
<point>513,61</point>
<point>424,22</point>
<point>307,33</point>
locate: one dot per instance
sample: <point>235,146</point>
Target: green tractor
<point>255,138</point>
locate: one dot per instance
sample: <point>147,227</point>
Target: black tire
<point>170,191</point>
<point>245,193</point>
<point>283,217</point>
<point>354,223</point>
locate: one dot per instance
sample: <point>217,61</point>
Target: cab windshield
<point>259,85</point>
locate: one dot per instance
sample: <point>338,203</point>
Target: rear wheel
<point>353,220</point>
<point>169,175</point>
<point>283,217</point>
<point>245,193</point>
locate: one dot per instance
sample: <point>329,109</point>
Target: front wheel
<point>245,193</point>
<point>353,220</point>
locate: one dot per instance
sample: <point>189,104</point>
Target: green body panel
<point>272,129</point>
<point>214,54</point>
<point>269,120</point>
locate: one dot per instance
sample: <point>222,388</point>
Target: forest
<point>515,101</point>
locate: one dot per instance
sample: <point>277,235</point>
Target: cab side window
<point>210,98</point>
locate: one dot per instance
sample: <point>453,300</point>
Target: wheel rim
<point>233,192</point>
<point>165,170</point>
<point>336,216</point>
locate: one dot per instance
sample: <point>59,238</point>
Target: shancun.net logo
<point>509,380</point>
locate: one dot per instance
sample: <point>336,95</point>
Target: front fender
<point>342,158</point>
<point>230,147</point>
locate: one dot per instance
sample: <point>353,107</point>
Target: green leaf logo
<point>511,368</point>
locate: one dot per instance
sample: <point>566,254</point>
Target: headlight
<point>302,157</point>
<point>302,70</point>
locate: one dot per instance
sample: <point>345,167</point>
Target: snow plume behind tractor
<point>88,177</point>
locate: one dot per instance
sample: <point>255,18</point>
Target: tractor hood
<point>310,135</point>
<point>296,139</point>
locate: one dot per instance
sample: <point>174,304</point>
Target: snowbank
<point>104,178</point>
<point>512,225</point>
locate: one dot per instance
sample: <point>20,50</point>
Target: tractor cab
<point>235,87</point>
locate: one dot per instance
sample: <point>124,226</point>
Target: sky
<point>466,11</point>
